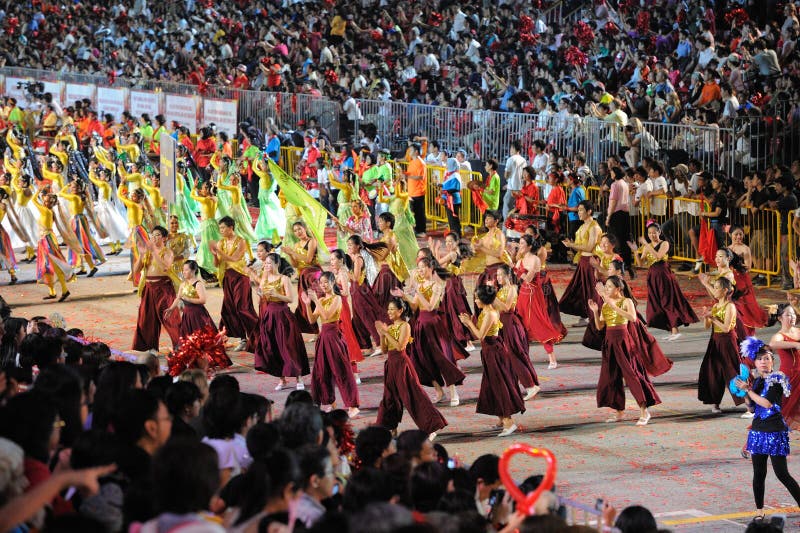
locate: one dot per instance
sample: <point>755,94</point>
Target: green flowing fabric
<point>404,230</point>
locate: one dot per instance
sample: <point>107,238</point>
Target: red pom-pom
<point>610,28</point>
<point>331,77</point>
<point>759,99</point>
<point>736,17</point>
<point>515,61</point>
<point>525,24</point>
<point>575,57</point>
<point>205,348</point>
<point>528,39</point>
<point>583,32</point>
<point>435,19</point>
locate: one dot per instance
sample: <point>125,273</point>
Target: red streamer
<point>205,349</point>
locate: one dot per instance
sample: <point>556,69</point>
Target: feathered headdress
<point>750,347</point>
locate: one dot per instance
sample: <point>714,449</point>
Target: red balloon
<point>525,502</point>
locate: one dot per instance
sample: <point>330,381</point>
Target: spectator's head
<point>185,477</point>
<point>142,420</point>
<point>373,444</point>
<point>114,382</point>
<point>368,485</point>
<point>316,470</point>
<point>65,386</point>
<point>221,411</point>
<point>516,147</point>
<point>198,378</point>
<point>299,396</point>
<point>484,475</point>
<point>427,486</point>
<point>414,445</point>
<point>300,423</point>
<point>275,482</point>
<point>183,400</point>
<point>636,519</point>
<point>150,362</point>
<point>31,421</point>
<point>41,351</point>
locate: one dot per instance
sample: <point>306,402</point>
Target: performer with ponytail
<point>238,315</point>
<point>363,299</point>
<point>341,265</point>
<point>137,234</point>
<point>92,255</point>
<point>667,307</point>
<point>26,213</point>
<point>787,342</point>
<point>581,287</point>
<point>399,206</point>
<point>8,260</point>
<point>749,314</point>
<point>331,362</point>
<point>620,361</point>
<point>490,248</point>
<point>191,301</point>
<point>280,351</point>
<point>209,229</point>
<point>454,302</point>
<point>499,394</point>
<point>393,271</point>
<point>513,332</point>
<point>432,351</point>
<point>531,304</point>
<point>546,284</point>
<point>401,386</point>
<point>303,257</point>
<point>768,437</point>
<point>108,216</point>
<point>721,361</point>
<point>271,223</point>
<point>238,212</point>
<point>50,263</point>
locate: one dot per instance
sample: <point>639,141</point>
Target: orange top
<point>416,188</point>
<point>710,93</point>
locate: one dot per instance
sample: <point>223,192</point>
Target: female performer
<point>26,213</point>
<point>619,355</point>
<point>8,261</point>
<point>364,300</point>
<point>137,235</point>
<point>358,222</point>
<point>432,353</point>
<point>238,213</point>
<point>401,386</point>
<point>491,247</point>
<point>787,342</point>
<point>107,214</point>
<point>271,223</point>
<point>342,266</point>
<point>531,305</point>
<point>181,244</point>
<point>331,363</point>
<point>209,229</point>
<point>499,395</point>
<point>721,361</point>
<point>280,351</point>
<point>513,332</point>
<point>92,255</point>
<point>192,301</point>
<point>50,263</point>
<point>723,259</point>
<point>667,307</point>
<point>185,207</point>
<point>454,302</point>
<point>399,206</point>
<point>581,287</point>
<point>393,271</point>
<point>768,437</point>
<point>303,256</point>
<point>748,313</point>
<point>238,315</point>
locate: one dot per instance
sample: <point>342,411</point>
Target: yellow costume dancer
<point>244,224</point>
<point>90,251</point>
<point>26,213</point>
<point>209,229</point>
<point>107,215</point>
<point>50,263</point>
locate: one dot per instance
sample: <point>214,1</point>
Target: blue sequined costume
<point>769,442</point>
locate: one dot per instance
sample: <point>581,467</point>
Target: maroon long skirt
<point>432,351</point>
<point>790,365</point>
<point>580,290</point>
<point>280,351</point>
<point>667,307</point>
<point>238,316</point>
<point>651,355</point>
<point>402,389</point>
<point>367,312</point>
<point>195,316</point>
<point>385,282</point>
<point>516,341</point>
<point>489,274</point>
<point>720,364</point>
<point>499,394</point>
<point>157,295</point>
<point>748,312</point>
<point>593,337</point>
<point>307,280</point>
<point>551,300</point>
<point>453,304</point>
<point>332,368</point>
<point>620,362</point>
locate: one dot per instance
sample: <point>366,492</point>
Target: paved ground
<point>685,465</point>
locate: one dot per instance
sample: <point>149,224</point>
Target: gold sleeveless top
<point>326,303</point>
<point>494,329</point>
<point>453,269</point>
<point>722,275</point>
<point>394,331</point>
<point>426,290</point>
<point>188,290</point>
<point>649,259</point>
<point>228,247</point>
<point>582,235</point>
<point>605,260</point>
<point>302,249</point>
<point>718,312</point>
<point>504,296</point>
<point>276,286</point>
<point>611,317</point>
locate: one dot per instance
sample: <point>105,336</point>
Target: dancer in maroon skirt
<point>401,386</point>
<point>748,313</point>
<point>455,301</point>
<point>546,284</point>
<point>361,294</point>
<point>303,257</point>
<point>331,362</point>
<point>280,351</point>
<point>531,305</point>
<point>491,247</point>
<point>513,332</point>
<point>393,270</point>
<point>581,287</point>
<point>721,361</point>
<point>238,314</point>
<point>192,301</point>
<point>432,350</point>
<point>499,394</point>
<point>341,266</point>
<point>157,294</point>
<point>620,361</point>
<point>787,342</point>
<point>667,307</point>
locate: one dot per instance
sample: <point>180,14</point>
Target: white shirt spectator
<point>514,166</point>
<point>227,454</point>
<point>459,24</point>
<point>658,206</point>
<point>682,206</point>
<point>646,186</point>
<point>539,164</point>
<point>474,51</point>
<point>225,51</point>
<point>325,55</point>
<point>705,56</point>
<point>433,64</point>
<point>351,108</point>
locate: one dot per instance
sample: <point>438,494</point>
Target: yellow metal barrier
<point>683,227</point>
<point>290,156</point>
<point>765,241</point>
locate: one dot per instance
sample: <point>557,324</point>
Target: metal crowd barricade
<point>290,156</point>
<point>685,218</point>
<point>763,227</point>
<point>678,143</point>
